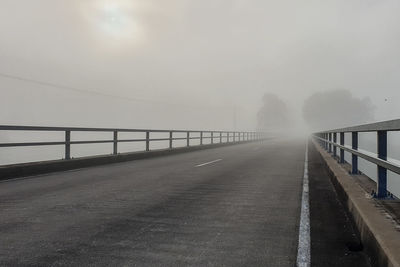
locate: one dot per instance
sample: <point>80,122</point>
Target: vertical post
<point>170,139</point>
<point>239,136</point>
<point>354,158</point>
<point>334,147</point>
<point>342,150</point>
<point>188,139</point>
<point>212,138</point>
<point>147,141</point>
<point>201,138</point>
<point>115,148</point>
<point>330,140</point>
<point>67,144</point>
<point>234,137</point>
<point>220,137</point>
<point>326,139</point>
<point>227,137</point>
<point>382,172</point>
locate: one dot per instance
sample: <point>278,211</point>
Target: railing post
<point>212,138</point>
<point>382,172</point>
<point>170,139</point>
<point>227,137</point>
<point>330,140</point>
<point>188,139</point>
<point>234,137</point>
<point>220,137</point>
<point>334,147</point>
<point>326,141</point>
<point>147,141</point>
<point>67,144</point>
<point>201,138</point>
<point>342,150</point>
<point>115,148</point>
<point>354,158</point>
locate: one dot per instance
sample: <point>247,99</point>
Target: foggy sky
<point>196,60</point>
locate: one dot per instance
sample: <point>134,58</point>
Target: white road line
<point>304,250</point>
<point>208,163</point>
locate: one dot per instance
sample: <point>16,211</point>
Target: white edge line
<point>304,248</point>
<point>208,163</point>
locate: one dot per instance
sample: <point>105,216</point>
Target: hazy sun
<point>115,20</point>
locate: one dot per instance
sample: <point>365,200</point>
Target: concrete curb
<point>31,169</point>
<point>379,234</point>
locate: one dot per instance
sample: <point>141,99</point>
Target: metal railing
<point>328,140</point>
<point>215,137</point>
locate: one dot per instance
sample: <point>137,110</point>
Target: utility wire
<point>85,91</point>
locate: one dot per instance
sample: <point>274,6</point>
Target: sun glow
<point>114,20</point>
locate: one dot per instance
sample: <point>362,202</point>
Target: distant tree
<point>273,115</point>
<point>336,108</point>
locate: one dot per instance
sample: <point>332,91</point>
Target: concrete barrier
<point>379,234</point>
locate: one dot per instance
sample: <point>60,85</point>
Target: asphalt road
<point>231,206</point>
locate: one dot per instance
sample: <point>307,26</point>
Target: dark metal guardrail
<point>229,137</point>
<point>328,140</point>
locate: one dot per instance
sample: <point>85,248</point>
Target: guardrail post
<point>234,137</point>
<point>326,141</point>
<point>188,139</point>
<point>201,138</point>
<point>115,143</point>
<point>382,172</point>
<point>220,137</point>
<point>330,140</point>
<point>334,147</point>
<point>354,158</point>
<point>147,141</point>
<point>170,139</point>
<point>212,138</point>
<point>342,150</point>
<point>67,144</point>
<point>227,137</point>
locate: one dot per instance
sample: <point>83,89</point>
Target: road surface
<point>231,206</point>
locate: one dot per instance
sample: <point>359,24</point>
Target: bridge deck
<point>231,206</point>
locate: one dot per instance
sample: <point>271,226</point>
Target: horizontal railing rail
<point>329,141</point>
<point>215,137</point>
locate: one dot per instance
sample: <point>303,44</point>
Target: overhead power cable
<point>85,91</point>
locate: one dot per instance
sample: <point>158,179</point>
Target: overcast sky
<point>188,63</point>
